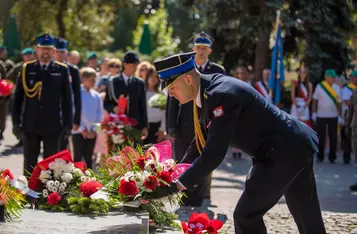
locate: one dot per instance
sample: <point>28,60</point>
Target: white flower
<point>62,187</point>
<point>77,172</point>
<point>57,183</point>
<point>63,184</point>
<point>68,168</point>
<point>93,178</point>
<point>54,189</point>
<point>48,172</point>
<point>50,184</point>
<point>87,173</point>
<point>57,166</point>
<point>83,178</point>
<point>129,175</point>
<point>67,177</point>
<point>118,139</point>
<point>45,193</point>
<point>44,176</point>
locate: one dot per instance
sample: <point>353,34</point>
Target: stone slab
<point>38,221</point>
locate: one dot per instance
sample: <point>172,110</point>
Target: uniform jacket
<point>14,73</point>
<point>51,112</point>
<point>76,89</point>
<point>180,117</point>
<point>137,98</point>
<point>234,112</point>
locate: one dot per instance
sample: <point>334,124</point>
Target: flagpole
<point>277,22</point>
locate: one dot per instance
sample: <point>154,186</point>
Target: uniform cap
<point>330,72</point>
<point>61,44</point>
<point>27,51</point>
<point>169,69</point>
<point>45,40</point>
<point>203,39</point>
<point>131,57</point>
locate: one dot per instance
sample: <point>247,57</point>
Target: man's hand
<point>91,135</point>
<point>75,127</point>
<point>170,138</point>
<point>116,110</point>
<point>85,134</point>
<point>164,191</point>
<point>144,133</point>
<point>160,135</point>
<point>314,117</point>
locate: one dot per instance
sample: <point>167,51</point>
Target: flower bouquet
<point>120,129</point>
<point>6,88</point>
<point>12,199</point>
<point>201,223</point>
<point>66,186</point>
<point>158,100</point>
<point>134,175</point>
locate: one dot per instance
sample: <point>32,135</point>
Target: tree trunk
<point>62,8</point>
<point>261,53</point>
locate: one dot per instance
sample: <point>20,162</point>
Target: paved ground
<point>338,204</point>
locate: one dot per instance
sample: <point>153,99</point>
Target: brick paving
<point>338,204</point>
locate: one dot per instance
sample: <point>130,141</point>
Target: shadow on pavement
<point>9,150</point>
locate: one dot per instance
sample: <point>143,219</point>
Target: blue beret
<point>169,69</point>
<point>61,44</point>
<point>27,51</point>
<point>202,39</point>
<point>46,40</point>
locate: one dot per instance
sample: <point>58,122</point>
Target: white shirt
<point>155,115</point>
<point>203,66</point>
<point>126,78</point>
<point>326,108</point>
<point>346,94</point>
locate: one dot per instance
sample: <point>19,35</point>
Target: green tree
<point>162,42</point>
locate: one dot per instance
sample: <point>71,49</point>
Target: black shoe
<point>240,155</point>
<point>319,160</point>
<point>353,187</point>
<point>234,155</point>
<point>1,136</point>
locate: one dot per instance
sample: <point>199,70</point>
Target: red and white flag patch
<point>218,111</point>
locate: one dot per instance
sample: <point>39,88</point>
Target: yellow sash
<point>329,91</point>
<point>351,86</point>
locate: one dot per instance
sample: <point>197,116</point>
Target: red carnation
<point>214,226</point>
<point>151,183</point>
<point>54,199</point>
<point>8,173</point>
<point>128,188</point>
<point>153,167</point>
<point>89,187</point>
<point>165,176</point>
<point>141,162</point>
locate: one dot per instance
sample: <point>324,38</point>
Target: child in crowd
<point>92,108</point>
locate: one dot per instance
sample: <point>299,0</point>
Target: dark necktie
<point>200,69</point>
<point>44,67</point>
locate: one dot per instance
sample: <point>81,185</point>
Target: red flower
<point>54,199</point>
<point>151,182</point>
<point>89,187</point>
<point>8,173</point>
<point>165,176</point>
<point>153,167</point>
<point>128,188</point>
<point>214,226</point>
<point>141,162</point>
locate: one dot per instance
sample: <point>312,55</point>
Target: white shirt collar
<point>203,66</point>
<point>198,98</point>
<point>125,77</point>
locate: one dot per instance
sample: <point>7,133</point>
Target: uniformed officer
<point>74,79</point>
<point>180,117</point>
<point>43,95</point>
<point>232,111</point>
<point>3,102</point>
<point>9,64</point>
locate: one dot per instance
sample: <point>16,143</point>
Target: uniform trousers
<point>83,149</point>
<point>331,124</point>
<point>32,148</point>
<point>281,172</point>
<point>346,144</point>
<point>64,143</point>
<point>3,114</point>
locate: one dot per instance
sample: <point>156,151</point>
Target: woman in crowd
<point>301,95</point>
<point>156,116</point>
<point>142,69</point>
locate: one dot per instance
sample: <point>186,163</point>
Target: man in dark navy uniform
<point>42,105</point>
<point>180,116</point>
<point>232,111</point>
<point>74,79</point>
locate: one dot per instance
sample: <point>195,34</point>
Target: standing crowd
<point>58,104</point>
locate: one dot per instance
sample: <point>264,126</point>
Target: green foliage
<point>160,216</point>
<point>162,42</point>
<point>85,205</point>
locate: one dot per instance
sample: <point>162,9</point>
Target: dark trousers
<point>32,148</point>
<point>83,149</point>
<point>64,143</point>
<point>288,174</point>
<point>153,128</point>
<point>346,144</point>
<point>331,124</point>
<point>3,114</point>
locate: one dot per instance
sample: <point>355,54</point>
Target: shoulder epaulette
<point>62,64</point>
<point>29,62</point>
